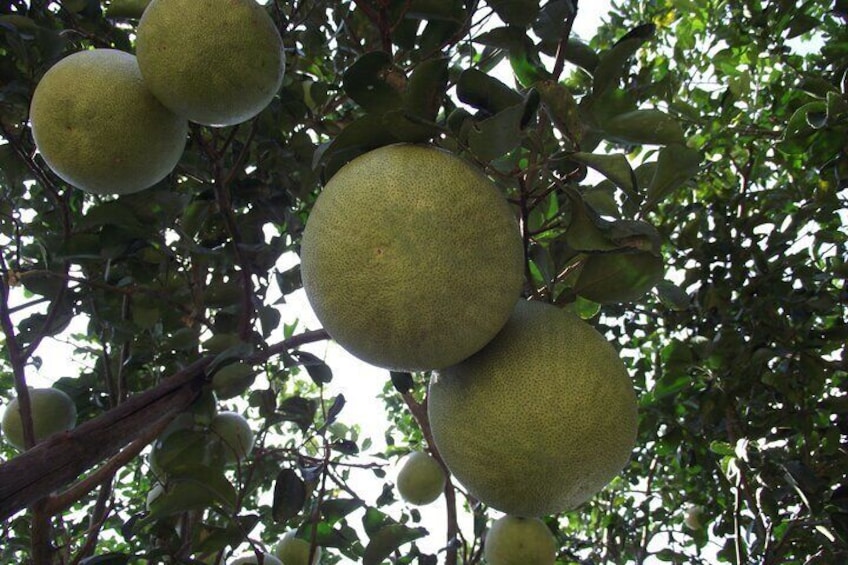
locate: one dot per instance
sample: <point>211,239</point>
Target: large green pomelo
<point>100,129</point>
<point>217,62</point>
<point>411,258</point>
<point>540,419</point>
<point>52,411</point>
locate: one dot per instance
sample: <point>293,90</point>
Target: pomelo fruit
<point>411,258</point>
<point>292,550</point>
<point>251,559</point>
<point>421,479</point>
<point>519,541</point>
<point>540,419</point>
<point>234,433</point>
<point>216,62</point>
<point>99,128</point>
<point>52,411</point>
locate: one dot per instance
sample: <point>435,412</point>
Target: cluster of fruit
<point>413,261</point>
<point>110,122</point>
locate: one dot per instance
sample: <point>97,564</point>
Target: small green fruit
<point>694,517</point>
<point>292,550</point>
<point>251,559</point>
<point>52,411</point>
<point>519,541</point>
<point>421,479</point>
<point>235,435</point>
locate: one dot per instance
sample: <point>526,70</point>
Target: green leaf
<point>615,167</point>
<point>375,83</point>
<point>106,559</point>
<point>131,9</point>
<point>495,136</point>
<point>652,127</point>
<point>199,487</point>
<point>478,89</point>
<point>516,12</point>
<point>722,448</point>
<point>214,539</point>
<point>612,64</point>
<point>562,107</point>
<point>672,296</point>
<point>619,277</point>
<point>299,410</point>
<point>318,370</point>
<point>335,509</point>
<point>550,25</point>
<point>426,89</point>
<point>580,54</point>
<point>387,539</point>
<point>586,230</point>
<point>289,496</point>
<point>676,165</point>
<point>402,382</point>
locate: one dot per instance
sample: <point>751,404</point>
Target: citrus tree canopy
<point>671,177</point>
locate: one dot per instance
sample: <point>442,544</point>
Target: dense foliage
<point>693,148</point>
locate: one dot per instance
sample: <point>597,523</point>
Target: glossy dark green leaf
<point>113,558</point>
<point>615,167</point>
<point>132,9</point>
<point>299,410</point>
<point>289,496</point>
<point>387,539</point>
<point>335,408</point>
<point>375,83</point>
<point>486,93</point>
<point>202,490</point>
<point>402,382</point>
<point>214,539</point>
<point>586,230</point>
<point>652,127</point>
<point>426,89</point>
<point>562,107</point>
<point>619,277</point>
<point>612,64</point>
<point>550,25</point>
<point>580,54</point>
<point>676,165</point>
<point>497,135</point>
<point>516,12</point>
<point>335,509</point>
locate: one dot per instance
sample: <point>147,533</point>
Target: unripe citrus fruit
<point>235,435</point>
<point>694,517</point>
<point>411,258</point>
<point>100,129</point>
<point>421,479</point>
<point>539,420</point>
<point>519,541</point>
<point>52,411</point>
<point>216,62</point>
<point>251,559</point>
<point>292,550</point>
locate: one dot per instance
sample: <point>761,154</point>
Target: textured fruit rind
<point>52,411</point>
<point>99,128</point>
<point>539,420</point>
<point>421,479</point>
<point>292,550</point>
<point>411,258</point>
<point>519,541</point>
<point>217,62</point>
